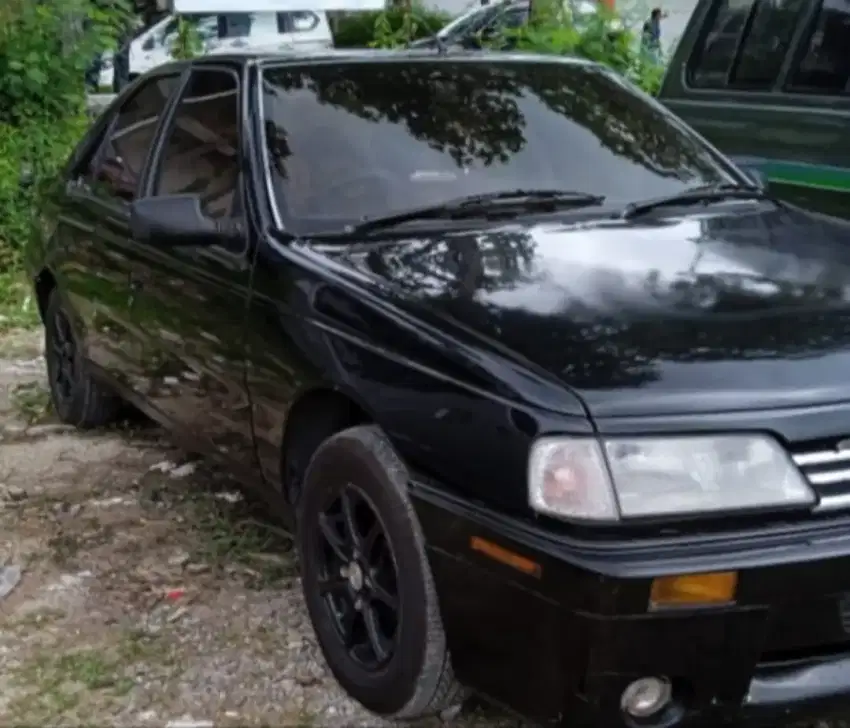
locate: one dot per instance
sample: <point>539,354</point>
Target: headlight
<point>581,479</point>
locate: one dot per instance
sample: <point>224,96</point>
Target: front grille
<point>828,470</point>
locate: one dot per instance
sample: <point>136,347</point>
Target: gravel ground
<point>151,592</point>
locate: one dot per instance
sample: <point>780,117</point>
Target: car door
<point>94,257</point>
<point>193,301</point>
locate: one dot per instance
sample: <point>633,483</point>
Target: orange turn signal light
<point>506,557</point>
<point>693,590</point>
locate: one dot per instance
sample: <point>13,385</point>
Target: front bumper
<point>560,647</point>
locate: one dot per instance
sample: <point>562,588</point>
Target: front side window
<point>119,163</point>
<point>824,67</point>
<point>369,139</point>
<point>712,58</point>
<point>201,154</point>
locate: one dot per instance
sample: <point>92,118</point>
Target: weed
<point>230,533</point>
<point>17,306</point>
<point>51,685</point>
<point>31,400</point>
<point>235,534</point>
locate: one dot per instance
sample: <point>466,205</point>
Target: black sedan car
<point>556,399</point>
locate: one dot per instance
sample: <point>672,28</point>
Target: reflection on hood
<point>618,304</point>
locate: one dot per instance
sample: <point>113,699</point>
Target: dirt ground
<point>150,591</point>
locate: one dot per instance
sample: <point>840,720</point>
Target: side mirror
<point>177,220</point>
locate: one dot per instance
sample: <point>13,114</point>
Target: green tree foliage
<point>551,30</point>
<point>45,48</point>
<point>188,43</point>
<point>394,27</point>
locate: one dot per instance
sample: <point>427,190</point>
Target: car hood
<point>742,308</point>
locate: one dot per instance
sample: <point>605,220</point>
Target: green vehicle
<point>768,83</point>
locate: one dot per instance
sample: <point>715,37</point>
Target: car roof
<point>409,54</point>
<point>301,57</point>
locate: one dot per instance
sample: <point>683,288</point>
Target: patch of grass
<point>230,533</point>
<point>138,646</point>
<point>51,685</point>
<point>21,343</point>
<point>236,535</point>
<point>18,309</point>
<point>31,401</point>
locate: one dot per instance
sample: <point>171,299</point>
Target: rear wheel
<point>366,579</point>
<point>78,399</point>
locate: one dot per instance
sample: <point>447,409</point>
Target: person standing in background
<point>650,40</point>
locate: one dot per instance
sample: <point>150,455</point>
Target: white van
<point>224,32</point>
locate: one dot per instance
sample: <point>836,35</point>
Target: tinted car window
<point>357,139</point>
<point>201,153</point>
<point>766,43</point>
<point>713,57</point>
<point>118,164</point>
<point>824,66</point>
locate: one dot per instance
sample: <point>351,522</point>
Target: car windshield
<point>367,139</point>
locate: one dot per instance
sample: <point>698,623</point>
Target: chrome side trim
<point>823,457</point>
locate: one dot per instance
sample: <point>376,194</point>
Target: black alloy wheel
<point>78,399</point>
<point>367,581</point>
<point>64,357</point>
<point>358,578</point>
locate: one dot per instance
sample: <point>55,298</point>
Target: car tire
<point>77,397</point>
<point>416,679</point>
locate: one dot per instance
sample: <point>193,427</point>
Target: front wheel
<point>366,579</point>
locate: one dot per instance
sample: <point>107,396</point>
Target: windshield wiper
<point>482,205</point>
<point>696,196</point>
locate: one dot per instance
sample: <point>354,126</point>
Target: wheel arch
<point>316,415</point>
<point>45,283</point>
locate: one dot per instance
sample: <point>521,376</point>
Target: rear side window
<point>118,164</point>
<point>824,64</point>
<point>766,43</point>
<point>746,44</point>
<point>712,59</point>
